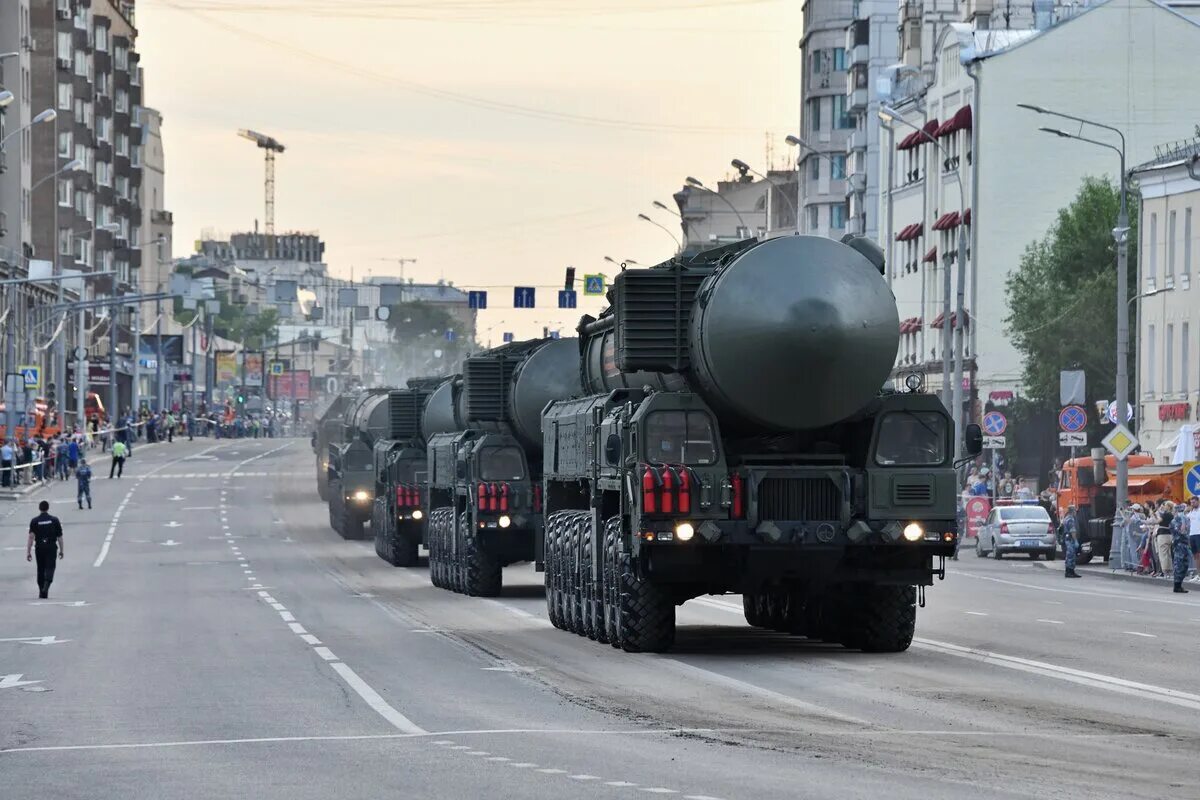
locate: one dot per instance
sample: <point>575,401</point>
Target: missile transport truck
<point>484,461</point>
<point>352,462</point>
<point>398,518</point>
<point>328,429</point>
<point>736,438</point>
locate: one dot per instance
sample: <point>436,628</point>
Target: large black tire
<point>574,571</point>
<point>550,556</point>
<point>612,538</point>
<point>403,547</point>
<point>752,610</point>
<point>438,523</point>
<point>587,587</point>
<point>883,619</point>
<point>647,611</point>
<point>482,574</point>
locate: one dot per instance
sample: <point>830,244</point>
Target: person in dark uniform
<point>1179,547</point>
<point>1070,530</point>
<point>46,540</point>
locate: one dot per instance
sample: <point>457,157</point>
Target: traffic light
<point>241,399</point>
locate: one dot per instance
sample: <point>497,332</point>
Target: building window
<point>102,38</point>
<point>841,119</point>
<point>122,145</point>
<point>814,114</point>
<point>814,168</point>
<point>64,241</point>
<point>839,59</point>
<point>1153,271</point>
<point>66,191</point>
<point>838,166</point>
<point>837,215</point>
<point>1151,364</point>
<point>1185,350</point>
<point>121,57</point>
<point>66,97</point>
<point>66,144</point>
<point>123,187</point>
<point>104,129</point>
<point>1171,244</point>
<point>1187,242</point>
<point>81,63</point>
<point>65,45</point>
<point>1169,358</point>
<point>122,104</point>
<point>814,217</point>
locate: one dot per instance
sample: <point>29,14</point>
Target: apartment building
<point>825,120</point>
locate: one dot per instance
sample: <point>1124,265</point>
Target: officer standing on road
<point>46,533</point>
<point>119,450</point>
<point>1070,527</point>
<point>1179,546</point>
<point>84,477</point>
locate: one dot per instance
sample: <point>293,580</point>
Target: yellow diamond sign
<point>1120,442</point>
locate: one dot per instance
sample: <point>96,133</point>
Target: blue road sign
<point>32,375</point>
<point>994,423</point>
<point>566,298</point>
<point>1072,419</point>
<point>523,297</point>
<point>477,300</point>
<point>1193,480</point>
<point>451,336</point>
<point>554,334</point>
<point>593,284</point>
<point>508,337</point>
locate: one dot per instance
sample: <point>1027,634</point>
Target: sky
<point>495,141</point>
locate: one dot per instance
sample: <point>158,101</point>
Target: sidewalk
<point>26,489</point>
<point>1101,570</point>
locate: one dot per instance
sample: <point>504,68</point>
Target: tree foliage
<point>421,347</point>
<point>1063,296</point>
<point>236,324</point>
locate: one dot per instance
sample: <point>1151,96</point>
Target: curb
<point>1105,572</point>
<point>14,495</point>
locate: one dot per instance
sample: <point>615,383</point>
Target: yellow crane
<point>270,146</point>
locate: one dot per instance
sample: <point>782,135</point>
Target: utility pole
<point>135,392</point>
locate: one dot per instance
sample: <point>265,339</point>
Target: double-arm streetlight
<point>697,184</point>
<point>674,238</point>
<point>45,116</point>
<point>796,141</point>
<point>743,168</point>
<point>952,389</point>
<point>70,166</point>
<point>612,260</point>
<point>1121,239</point>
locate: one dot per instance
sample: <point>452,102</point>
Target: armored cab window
<point>357,459</point>
<point>912,438</point>
<point>501,464</point>
<point>680,437</point>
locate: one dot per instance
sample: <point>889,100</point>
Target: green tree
<point>235,323</point>
<point>1063,296</point>
<point>421,347</point>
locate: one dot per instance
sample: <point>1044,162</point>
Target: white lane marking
<point>442,742</point>
<point>620,784</point>
<point>297,628</point>
<point>478,753</point>
<point>659,790</point>
<point>1093,679</point>
<point>325,653</point>
<point>278,606</point>
<point>263,594</point>
<point>498,758</point>
<point>287,616</point>
<point>523,765</point>
<point>461,747</point>
<point>1123,611</point>
<point>552,771</point>
<point>766,694</point>
<point>14,680</point>
<point>975,613</point>
<point>103,553</point>
<point>1114,595</point>
<point>37,640</point>
<point>1050,621</point>
<point>699,797</point>
<point>581,777</point>
<point>308,638</point>
<point>372,698</point>
<point>1146,635</point>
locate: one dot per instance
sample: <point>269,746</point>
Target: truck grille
<point>912,493</point>
<point>798,499</point>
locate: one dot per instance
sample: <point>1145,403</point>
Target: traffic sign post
<point>276,367</point>
<point>32,375</point>
<point>994,424</point>
<point>1120,442</point>
<point>523,297</point>
<point>995,442</point>
<point>477,300</point>
<point>566,298</point>
<point>1072,419</point>
<point>1069,439</point>
<point>507,337</point>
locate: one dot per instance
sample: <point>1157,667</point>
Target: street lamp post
<point>667,230</point>
<point>1121,239</point>
<point>697,184</point>
<point>43,116</point>
<point>743,168</point>
<point>952,388</point>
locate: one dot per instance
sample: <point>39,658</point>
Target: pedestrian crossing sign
<point>32,375</point>
<point>593,285</point>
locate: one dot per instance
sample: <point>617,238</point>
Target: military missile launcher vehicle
<point>736,438</point>
<point>484,461</point>
<point>352,462</point>
<point>398,518</point>
<point>328,429</point>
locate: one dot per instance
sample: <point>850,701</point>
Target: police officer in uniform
<point>1070,529</point>
<point>1179,547</point>
<point>46,540</point>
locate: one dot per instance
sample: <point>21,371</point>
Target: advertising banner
<point>254,369</point>
<point>227,368</point>
<point>281,386</point>
<point>978,509</point>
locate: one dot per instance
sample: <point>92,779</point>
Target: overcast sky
<point>496,141</point>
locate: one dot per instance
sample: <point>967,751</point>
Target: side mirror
<point>973,439</point>
<point>460,469</point>
<point>612,450</point>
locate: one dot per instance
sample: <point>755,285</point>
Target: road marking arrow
<point>13,681</point>
<point>169,543</point>
<point>37,640</point>
<point>72,603</point>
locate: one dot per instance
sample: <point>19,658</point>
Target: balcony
<point>857,101</point>
<point>856,141</point>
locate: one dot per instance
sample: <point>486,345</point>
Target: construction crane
<point>271,146</point>
<point>401,262</point>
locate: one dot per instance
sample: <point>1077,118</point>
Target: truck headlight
<point>418,514</point>
<point>505,521</point>
<point>913,532</point>
<point>360,495</point>
<point>684,531</point>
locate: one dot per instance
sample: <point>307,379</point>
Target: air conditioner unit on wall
<point>64,63</point>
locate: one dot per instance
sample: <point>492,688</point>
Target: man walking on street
<point>83,476</point>
<point>119,451</point>
<point>1070,529</point>
<point>46,540</point>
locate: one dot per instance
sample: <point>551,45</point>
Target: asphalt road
<point>226,643</point>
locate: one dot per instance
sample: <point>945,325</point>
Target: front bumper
<point>1018,544</point>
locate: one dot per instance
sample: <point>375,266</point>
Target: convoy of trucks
<point>720,428</point>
